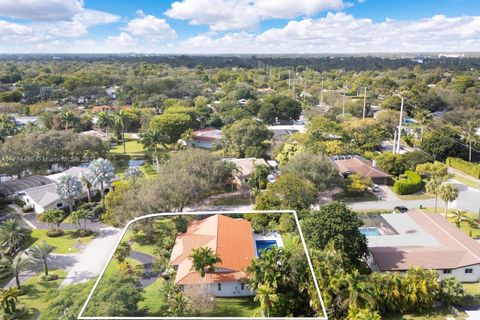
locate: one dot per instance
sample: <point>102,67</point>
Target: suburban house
<point>95,133</point>
<point>353,164</point>
<point>244,168</point>
<point>10,189</point>
<point>206,138</point>
<point>231,239</point>
<point>42,198</point>
<point>398,242</point>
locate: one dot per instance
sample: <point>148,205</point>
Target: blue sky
<point>239,26</point>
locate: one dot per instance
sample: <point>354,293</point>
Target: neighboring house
<point>73,171</point>
<point>231,239</point>
<point>94,133</point>
<point>42,198</point>
<point>206,138</point>
<point>96,109</point>
<point>286,130</point>
<point>402,241</point>
<point>243,101</point>
<point>11,189</point>
<point>22,121</point>
<point>349,164</point>
<point>244,168</point>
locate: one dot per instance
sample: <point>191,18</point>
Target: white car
<point>376,188</point>
<point>271,178</point>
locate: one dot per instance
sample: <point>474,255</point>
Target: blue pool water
<point>370,232</point>
<point>265,245</point>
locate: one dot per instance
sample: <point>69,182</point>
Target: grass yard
<point>235,307</point>
<point>132,147</point>
<point>472,288</point>
<point>64,244</point>
<point>154,299</point>
<point>366,196</point>
<point>415,196</point>
<point>113,267</point>
<point>233,200</point>
<point>466,181</point>
<point>143,248</point>
<point>434,314</point>
<point>35,292</point>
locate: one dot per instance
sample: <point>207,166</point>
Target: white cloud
<point>223,15</point>
<point>40,9</point>
<point>122,42</point>
<point>150,27</point>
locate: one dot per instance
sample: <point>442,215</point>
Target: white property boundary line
<point>163,214</point>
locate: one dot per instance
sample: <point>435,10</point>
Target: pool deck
<point>267,237</point>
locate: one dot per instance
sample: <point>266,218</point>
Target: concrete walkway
<point>149,276</point>
<point>89,263</point>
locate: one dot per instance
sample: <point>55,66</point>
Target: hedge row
<point>469,168</point>
<point>410,184</point>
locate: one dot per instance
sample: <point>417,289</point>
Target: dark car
<point>401,209</point>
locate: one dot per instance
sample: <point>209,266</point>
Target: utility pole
<point>364,102</point>
<point>400,127</point>
<point>305,90</point>
<point>343,103</point>
<point>321,96</point>
<point>289,79</point>
<point>394,142</point>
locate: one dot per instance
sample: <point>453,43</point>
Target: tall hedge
<point>410,184</point>
<point>469,168</point>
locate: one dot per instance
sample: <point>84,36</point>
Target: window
<point>59,205</point>
<point>242,287</point>
<point>469,270</point>
<point>182,287</point>
<point>219,287</point>
<point>447,271</point>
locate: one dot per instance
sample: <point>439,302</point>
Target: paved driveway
<point>90,262</point>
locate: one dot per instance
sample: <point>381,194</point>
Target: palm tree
<point>433,188</point>
<point>151,139</point>
<point>121,120</point>
<point>100,173</point>
<point>15,266</point>
<point>104,121</point>
<point>460,216</point>
<point>448,192</point>
<point>259,176</point>
<point>8,300</point>
<point>267,297</point>
<point>204,261</point>
<point>423,117</point>
<point>40,253</point>
<point>68,118</point>
<point>470,136</point>
<point>69,188</point>
<point>178,304</point>
<point>359,295</point>
<point>12,236</point>
<point>88,184</point>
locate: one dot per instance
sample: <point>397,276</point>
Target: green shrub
<point>55,233</point>
<point>27,210</point>
<point>469,168</point>
<point>19,202</point>
<point>4,201</point>
<point>411,184</point>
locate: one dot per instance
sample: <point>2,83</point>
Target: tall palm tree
<point>13,267</point>
<point>448,192</point>
<point>267,297</point>
<point>104,121</point>
<point>151,139</point>
<point>423,117</point>
<point>40,253</point>
<point>359,294</point>
<point>12,236</point>
<point>100,173</point>
<point>470,136</point>
<point>121,120</point>
<point>88,184</point>
<point>68,118</point>
<point>69,188</point>
<point>204,260</point>
<point>433,188</point>
<point>460,216</point>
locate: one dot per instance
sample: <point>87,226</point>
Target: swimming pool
<point>264,245</point>
<point>370,232</point>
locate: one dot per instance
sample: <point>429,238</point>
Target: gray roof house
<point>42,198</point>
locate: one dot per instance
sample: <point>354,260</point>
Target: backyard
<point>67,243</point>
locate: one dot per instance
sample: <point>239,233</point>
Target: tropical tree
<point>122,252</point>
<point>267,297</point>
<point>448,192</point>
<point>69,188</point>
<point>460,216</point>
<point>81,214</point>
<point>359,291</point>
<point>258,179</point>
<point>423,117</point>
<point>432,187</point>
<point>53,218</point>
<point>104,121</point>
<point>204,260</point>
<point>68,118</point>
<point>133,174</point>
<point>178,304</point>
<point>13,267</point>
<point>8,300</point>
<point>470,136</point>
<point>363,314</point>
<point>40,253</point>
<point>151,139</point>
<point>12,236</point>
<point>121,120</point>
<point>100,175</point>
<point>451,291</point>
<point>87,184</point>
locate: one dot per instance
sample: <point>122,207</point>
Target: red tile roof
<point>361,167</point>
<point>231,239</point>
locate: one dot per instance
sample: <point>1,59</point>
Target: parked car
<point>401,209</point>
<point>271,178</point>
<point>376,188</point>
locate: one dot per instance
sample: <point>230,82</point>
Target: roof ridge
<point>42,186</point>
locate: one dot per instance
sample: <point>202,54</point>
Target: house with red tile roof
<point>427,240</point>
<point>231,239</point>
<point>206,138</point>
<point>355,164</point>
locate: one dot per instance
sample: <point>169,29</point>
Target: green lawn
<point>235,307</point>
<point>366,196</point>
<point>466,181</point>
<point>143,248</point>
<point>233,200</point>
<point>113,267</point>
<point>472,288</point>
<point>132,147</point>
<point>434,314</point>
<point>154,299</point>
<point>63,244</point>
<point>416,196</point>
<point>35,292</point>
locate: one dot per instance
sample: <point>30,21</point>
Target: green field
<point>154,299</point>
<point>132,147</point>
<point>466,181</point>
<point>64,244</point>
<point>113,267</point>
<point>235,307</point>
<point>415,196</point>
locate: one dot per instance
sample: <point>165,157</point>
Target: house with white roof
<point>42,198</point>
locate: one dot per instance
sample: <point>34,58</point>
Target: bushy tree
<point>69,188</point>
<point>12,236</point>
<point>246,138</point>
